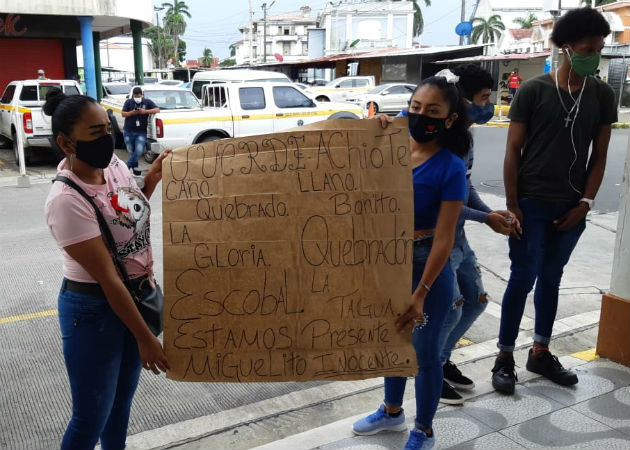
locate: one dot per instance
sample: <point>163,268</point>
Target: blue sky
<point>216,27</point>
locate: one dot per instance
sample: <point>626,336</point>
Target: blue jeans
<point>103,367</point>
<point>428,382</point>
<point>539,256</point>
<point>136,144</point>
<point>467,307</point>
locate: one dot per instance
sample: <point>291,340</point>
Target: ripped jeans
<point>466,298</point>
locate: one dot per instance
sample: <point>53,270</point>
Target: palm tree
<point>488,30</point>
<point>175,24</point>
<point>206,59</point>
<point>526,22</point>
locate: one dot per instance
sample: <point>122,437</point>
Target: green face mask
<point>584,65</point>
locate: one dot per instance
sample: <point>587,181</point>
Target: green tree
<point>206,59</point>
<point>592,3</point>
<point>232,48</point>
<point>161,45</point>
<point>174,21</point>
<point>526,22</point>
<point>488,30</point>
<point>228,62</point>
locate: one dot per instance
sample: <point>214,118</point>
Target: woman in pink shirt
<point>105,340</point>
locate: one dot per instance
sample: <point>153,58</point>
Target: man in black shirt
<point>550,184</point>
<point>136,112</point>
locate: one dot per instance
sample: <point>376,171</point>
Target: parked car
<point>21,113</point>
<point>386,98</point>
<point>116,89</point>
<point>340,89</point>
<point>200,79</point>
<point>228,110</point>
<point>170,82</point>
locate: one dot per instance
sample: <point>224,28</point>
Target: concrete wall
<point>120,54</point>
<point>620,280</point>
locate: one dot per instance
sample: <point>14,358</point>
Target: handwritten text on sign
<point>288,256</point>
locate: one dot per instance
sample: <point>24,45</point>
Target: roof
<point>290,18</point>
<point>510,57</point>
<point>522,33</point>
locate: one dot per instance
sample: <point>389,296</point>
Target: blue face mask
<point>480,114</point>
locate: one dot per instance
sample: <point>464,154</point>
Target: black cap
<point>137,90</point>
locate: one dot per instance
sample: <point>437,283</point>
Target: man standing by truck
<point>136,112</point>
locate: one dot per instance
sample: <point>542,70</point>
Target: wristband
<point>425,286</point>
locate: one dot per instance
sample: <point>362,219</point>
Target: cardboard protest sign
<point>288,256</point>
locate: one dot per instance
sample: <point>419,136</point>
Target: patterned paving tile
<point>612,409</point>
<point>492,441</point>
<point>566,429</point>
<point>595,379</point>
<point>501,411</point>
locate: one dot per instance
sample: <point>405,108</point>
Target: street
<point>32,374</point>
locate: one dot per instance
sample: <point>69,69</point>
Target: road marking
<point>51,312</point>
<point>588,355</point>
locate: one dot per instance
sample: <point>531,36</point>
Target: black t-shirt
<point>551,167</point>
<point>137,124</point>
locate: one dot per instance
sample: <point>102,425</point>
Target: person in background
<point>82,85</point>
<point>470,298</point>
<point>438,141</point>
<point>136,112</point>
<point>41,75</point>
<point>550,183</point>
<point>514,83</point>
<point>106,342</point>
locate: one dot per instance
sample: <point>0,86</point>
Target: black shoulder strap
<point>107,234</point>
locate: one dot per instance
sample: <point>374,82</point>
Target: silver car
<point>386,98</point>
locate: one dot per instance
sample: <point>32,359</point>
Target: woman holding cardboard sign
<point>96,204</point>
<point>438,140</point>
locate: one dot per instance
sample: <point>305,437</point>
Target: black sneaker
<point>504,375</point>
<point>547,365</point>
<point>136,172</point>
<point>450,395</point>
<point>453,375</point>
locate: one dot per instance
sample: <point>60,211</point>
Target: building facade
<point>281,37</point>
<point>43,34</point>
<point>364,25</point>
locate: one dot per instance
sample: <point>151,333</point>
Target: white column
<point>620,278</point>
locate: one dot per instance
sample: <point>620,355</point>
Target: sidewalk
<point>594,414</point>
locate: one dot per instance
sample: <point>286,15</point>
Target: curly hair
<point>578,24</point>
<point>472,79</point>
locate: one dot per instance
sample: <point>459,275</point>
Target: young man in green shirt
<point>550,184</point>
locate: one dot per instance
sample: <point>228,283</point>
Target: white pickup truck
<point>21,112</point>
<point>226,110</point>
<point>340,89</point>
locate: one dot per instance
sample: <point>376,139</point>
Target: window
<point>268,49</point>
<point>29,93</point>
<point>71,90</point>
<point>398,90</point>
<point>216,97</point>
<point>361,82</point>
<point>286,31</point>
<point>8,94</point>
<point>410,89</point>
<point>304,48</point>
<point>346,84</point>
<point>252,98</point>
<point>289,97</point>
<point>173,99</point>
<point>286,48</point>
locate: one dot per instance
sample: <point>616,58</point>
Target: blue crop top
<point>442,177</point>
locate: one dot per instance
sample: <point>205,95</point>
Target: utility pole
<point>462,38</point>
<point>159,42</point>
<point>554,50</point>
<point>251,34</point>
<point>265,8</point>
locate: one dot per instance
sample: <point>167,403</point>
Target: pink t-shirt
<point>72,219</point>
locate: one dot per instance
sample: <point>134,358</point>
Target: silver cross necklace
<point>576,102</point>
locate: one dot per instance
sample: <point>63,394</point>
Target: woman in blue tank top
<point>438,140</point>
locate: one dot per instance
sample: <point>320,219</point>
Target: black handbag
<point>151,305</point>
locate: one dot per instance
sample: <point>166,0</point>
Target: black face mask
<point>424,128</point>
<point>97,153</point>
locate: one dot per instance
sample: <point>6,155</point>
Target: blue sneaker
<point>379,421</point>
<point>418,440</point>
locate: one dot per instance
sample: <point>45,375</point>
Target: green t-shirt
<point>551,167</point>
